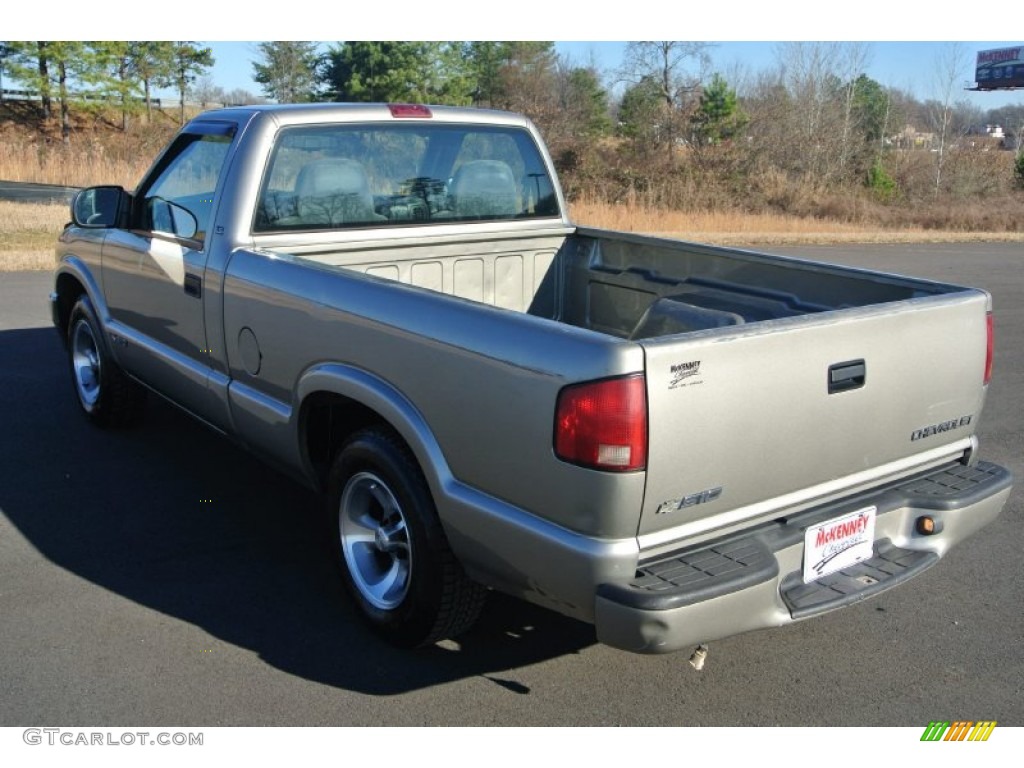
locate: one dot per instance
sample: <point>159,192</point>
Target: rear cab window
<point>326,177</point>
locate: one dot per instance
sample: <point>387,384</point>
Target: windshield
<point>341,176</point>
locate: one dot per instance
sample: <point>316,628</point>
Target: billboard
<point>1000,68</point>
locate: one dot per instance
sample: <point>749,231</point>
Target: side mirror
<point>99,207</point>
<point>172,218</point>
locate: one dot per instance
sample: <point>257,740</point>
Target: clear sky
<point>906,38</point>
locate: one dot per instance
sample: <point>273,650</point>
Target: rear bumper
<point>754,580</point>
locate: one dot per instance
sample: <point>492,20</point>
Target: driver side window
<point>179,201</point>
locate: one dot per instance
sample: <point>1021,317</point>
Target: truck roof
<point>380,112</point>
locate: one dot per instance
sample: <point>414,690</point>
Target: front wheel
<point>107,396</point>
<point>394,558</point>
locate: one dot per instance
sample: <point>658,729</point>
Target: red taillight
<point>603,424</point>
<point>990,347</point>
<point>409,110</point>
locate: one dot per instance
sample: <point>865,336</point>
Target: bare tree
<point>852,61</point>
<point>950,66</point>
<point>809,72</point>
<point>678,68</point>
<point>241,97</point>
<point>207,92</point>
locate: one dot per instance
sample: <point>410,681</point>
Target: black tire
<point>394,559</point>
<point>107,396</point>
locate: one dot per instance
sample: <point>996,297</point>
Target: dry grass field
<point>68,169</point>
<point>28,234</point>
<point>749,229</point>
<point>98,153</point>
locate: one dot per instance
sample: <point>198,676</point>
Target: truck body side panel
<point>485,380</point>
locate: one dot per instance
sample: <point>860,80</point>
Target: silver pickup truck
<point>674,442</point>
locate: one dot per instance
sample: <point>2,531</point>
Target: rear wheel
<point>394,558</point>
<point>107,396</point>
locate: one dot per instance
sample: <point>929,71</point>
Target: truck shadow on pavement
<point>179,520</point>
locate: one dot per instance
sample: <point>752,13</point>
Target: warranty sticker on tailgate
<point>838,543</point>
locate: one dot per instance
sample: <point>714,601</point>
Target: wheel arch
<point>337,400</point>
<point>73,279</point>
<point>68,289</point>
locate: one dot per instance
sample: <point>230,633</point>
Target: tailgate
<point>750,421</point>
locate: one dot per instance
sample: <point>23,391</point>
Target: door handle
<point>193,285</point>
<point>843,377</point>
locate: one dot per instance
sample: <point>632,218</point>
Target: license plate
<point>839,543</point>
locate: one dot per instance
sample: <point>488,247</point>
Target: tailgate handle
<point>843,377</point>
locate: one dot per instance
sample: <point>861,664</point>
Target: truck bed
<point>628,286</point>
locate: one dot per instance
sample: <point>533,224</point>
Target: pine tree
<point>396,71</point>
<point>189,61</point>
<point>287,70</point>
<point>153,64</point>
<point>719,116</point>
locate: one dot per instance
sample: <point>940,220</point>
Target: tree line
<point>124,73</point>
<point>663,127</point>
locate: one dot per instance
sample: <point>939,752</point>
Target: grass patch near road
<point>28,234</point>
<point>28,231</point>
<point>749,229</point>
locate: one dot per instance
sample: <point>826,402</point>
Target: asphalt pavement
<point>162,575</point>
<point>24,192</point>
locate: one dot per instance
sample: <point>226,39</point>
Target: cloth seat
<point>334,191</point>
<point>484,189</point>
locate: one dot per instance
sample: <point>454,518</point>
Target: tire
<point>394,559</point>
<point>105,393</point>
